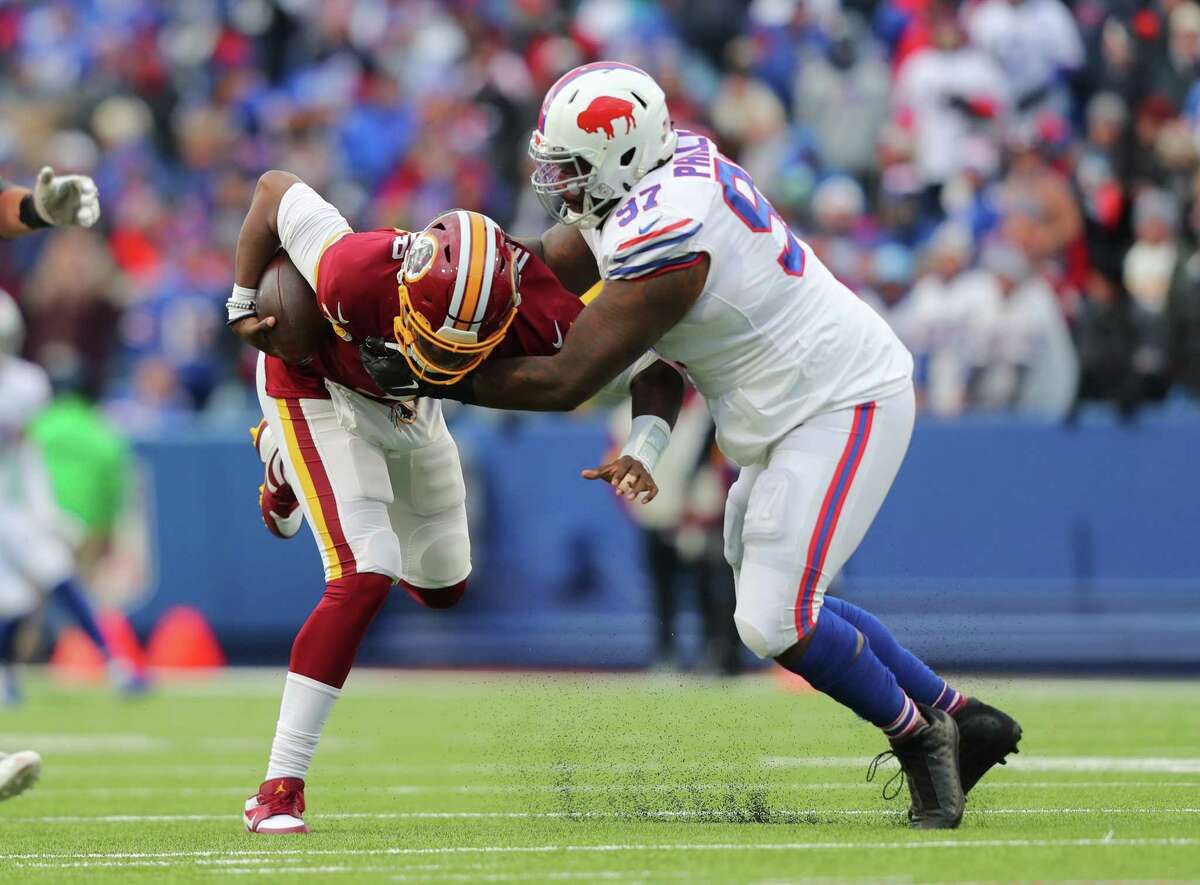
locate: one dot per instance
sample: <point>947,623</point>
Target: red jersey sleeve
<point>545,314</point>
<point>356,283</point>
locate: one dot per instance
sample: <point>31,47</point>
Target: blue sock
<point>71,595</point>
<point>918,681</point>
<point>10,688</point>
<point>8,639</point>
<point>833,664</point>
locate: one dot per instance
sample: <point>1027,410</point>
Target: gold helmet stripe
<point>475,274</point>
<point>489,261</point>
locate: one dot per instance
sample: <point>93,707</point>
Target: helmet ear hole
<point>627,157</point>
<point>446,249</point>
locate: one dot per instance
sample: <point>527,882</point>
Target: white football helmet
<point>601,128</point>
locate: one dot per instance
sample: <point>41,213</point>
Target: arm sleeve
<point>308,225</point>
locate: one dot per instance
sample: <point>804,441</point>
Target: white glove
<point>66,199</point>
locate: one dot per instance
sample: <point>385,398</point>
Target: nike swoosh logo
<point>410,386</point>
<point>558,332</point>
<point>642,230</point>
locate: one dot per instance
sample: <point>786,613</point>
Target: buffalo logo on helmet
<point>603,112</point>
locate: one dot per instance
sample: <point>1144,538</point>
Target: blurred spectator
<point>1150,266</point>
<point>1101,170</point>
<point>945,93</point>
<point>1037,44</point>
<point>1177,69</point>
<point>1183,307</point>
<point>843,98</point>
<point>1024,360</point>
<point>1041,215</point>
<point>891,275</point>
<point>748,117</point>
<point>937,320</point>
<point>862,137</point>
<point>843,233</point>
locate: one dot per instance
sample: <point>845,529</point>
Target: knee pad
<point>436,597</point>
<point>438,554</point>
<point>752,637</point>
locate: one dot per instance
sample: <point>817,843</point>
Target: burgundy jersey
<point>359,295</point>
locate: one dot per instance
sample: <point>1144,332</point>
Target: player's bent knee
<point>436,597</point>
<point>438,554</point>
<point>752,637</point>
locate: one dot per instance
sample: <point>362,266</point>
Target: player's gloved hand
<point>66,199</point>
<point>387,367</point>
<point>628,476</point>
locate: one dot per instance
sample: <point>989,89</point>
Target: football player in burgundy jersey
<point>347,445</point>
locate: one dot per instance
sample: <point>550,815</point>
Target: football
<point>300,326</point>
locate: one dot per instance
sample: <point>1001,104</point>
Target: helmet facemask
<point>446,354</point>
<point>566,185</point>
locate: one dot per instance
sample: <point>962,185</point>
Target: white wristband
<point>241,304</point>
<point>648,438</point>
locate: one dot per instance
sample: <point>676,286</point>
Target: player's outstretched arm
<point>566,254</point>
<point>624,321</point>
<point>54,200</point>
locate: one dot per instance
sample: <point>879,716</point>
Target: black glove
<point>388,368</point>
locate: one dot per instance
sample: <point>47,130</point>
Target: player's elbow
<point>270,190</point>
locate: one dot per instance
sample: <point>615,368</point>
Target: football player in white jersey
<point>54,200</point>
<point>810,390</point>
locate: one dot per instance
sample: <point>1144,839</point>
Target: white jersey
<point>774,338</point>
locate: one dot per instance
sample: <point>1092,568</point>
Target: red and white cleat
<point>280,510</point>
<point>18,772</point>
<point>277,807</point>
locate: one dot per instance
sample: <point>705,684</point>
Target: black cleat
<point>986,736</point>
<point>929,760</point>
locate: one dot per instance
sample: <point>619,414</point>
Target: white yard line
<point>714,814</point>
<point>679,786</point>
<point>1016,764</point>
<point>916,844</point>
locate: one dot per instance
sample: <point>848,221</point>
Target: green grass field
<point>466,777</point>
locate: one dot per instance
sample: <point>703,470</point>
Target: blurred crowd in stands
<point>1012,183</point>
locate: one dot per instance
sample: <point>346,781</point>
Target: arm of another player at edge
<point>11,196</point>
<point>566,254</point>
<point>624,321</point>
